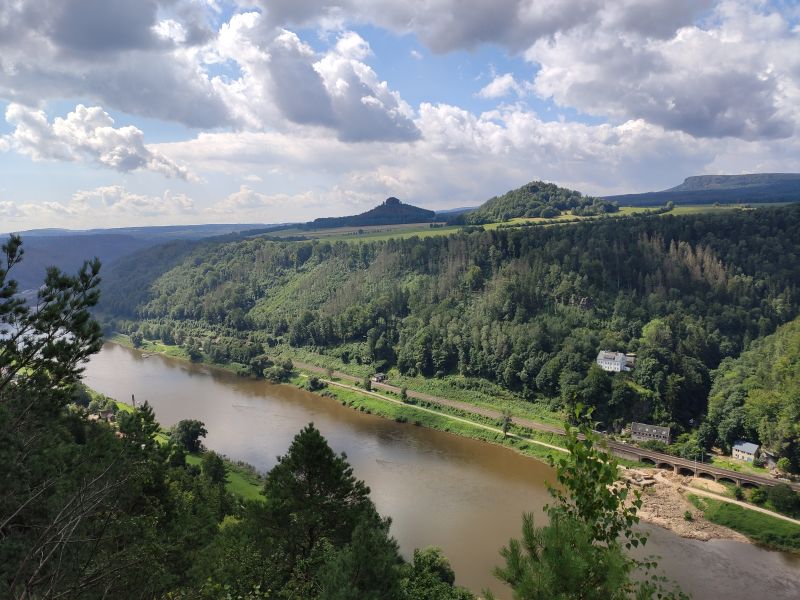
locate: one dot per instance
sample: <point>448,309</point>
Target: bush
<point>758,496</point>
<point>784,499</point>
<point>687,516</point>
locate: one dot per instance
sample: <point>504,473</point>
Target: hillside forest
<point>90,511</point>
<point>527,308</point>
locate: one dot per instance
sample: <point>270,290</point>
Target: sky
<point>150,112</point>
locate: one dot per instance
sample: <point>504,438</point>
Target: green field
<point>372,233</point>
<point>761,528</point>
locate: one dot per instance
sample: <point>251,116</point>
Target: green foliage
<point>526,309</point>
<point>214,468</point>
<point>757,396</point>
<point>764,529</point>
<point>391,212</point>
<point>580,553</point>
<point>537,199</point>
<point>87,512</point>
<point>187,433</point>
<point>784,499</point>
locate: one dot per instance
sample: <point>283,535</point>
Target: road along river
<point>440,489</point>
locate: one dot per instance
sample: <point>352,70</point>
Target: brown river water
<point>440,489</point>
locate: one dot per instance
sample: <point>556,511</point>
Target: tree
<point>580,553</point>
<point>784,498</point>
<point>506,421</point>
<point>311,496</point>
<point>367,384</point>
<point>214,468</point>
<point>187,433</point>
<point>430,577</point>
<point>784,464</point>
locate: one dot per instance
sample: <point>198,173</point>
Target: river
<point>440,489</point>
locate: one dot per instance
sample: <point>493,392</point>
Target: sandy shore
<point>664,504</point>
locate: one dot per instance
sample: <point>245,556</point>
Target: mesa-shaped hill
<point>537,199</point>
<point>390,212</point>
<point>725,189</point>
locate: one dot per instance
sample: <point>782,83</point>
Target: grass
<point>243,481</point>
<point>373,233</point>
<point>763,529</point>
<point>150,346</point>
<point>740,466</point>
<point>442,419</point>
<point>478,392</point>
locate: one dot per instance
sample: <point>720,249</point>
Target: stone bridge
<point>693,468</point>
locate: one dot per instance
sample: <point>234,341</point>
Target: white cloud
<point>738,77</point>
<point>104,206</point>
<point>502,86</point>
<point>86,134</point>
<point>416,54</point>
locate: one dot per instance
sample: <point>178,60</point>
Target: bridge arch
<point>704,475</point>
<point>686,471</point>
<point>648,460</point>
<point>724,479</point>
<point>749,484</point>
<point>665,465</point>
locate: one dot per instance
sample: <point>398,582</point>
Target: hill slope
<point>391,212</point>
<point>757,395</point>
<point>725,189</point>
<point>526,308</point>
<point>536,199</point>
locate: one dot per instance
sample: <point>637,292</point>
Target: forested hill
<point>725,189</point>
<point>756,397</point>
<point>391,212</point>
<point>528,307</point>
<point>537,199</point>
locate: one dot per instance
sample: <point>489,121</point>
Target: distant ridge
<point>725,189</point>
<point>390,212</point>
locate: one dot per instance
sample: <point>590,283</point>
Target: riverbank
<point>468,421</point>
<point>687,507</point>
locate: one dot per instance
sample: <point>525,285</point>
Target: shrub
<point>687,516</point>
<point>758,496</point>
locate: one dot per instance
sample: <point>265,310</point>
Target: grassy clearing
<point>243,481</point>
<point>761,528</point>
<point>150,346</point>
<point>740,466</point>
<point>443,420</point>
<point>477,392</point>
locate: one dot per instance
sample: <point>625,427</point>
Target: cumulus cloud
<point>102,206</point>
<point>501,86</point>
<point>86,134</point>
<point>447,25</point>
<point>284,79</point>
<point>736,78</point>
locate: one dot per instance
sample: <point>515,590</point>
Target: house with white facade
<point>746,451</point>
<point>613,361</point>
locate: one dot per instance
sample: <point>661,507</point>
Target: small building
<point>613,361</point>
<point>644,432</point>
<point>379,377</point>
<point>746,451</point>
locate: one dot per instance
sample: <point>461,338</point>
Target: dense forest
<point>537,199</point>
<point>757,396</point>
<point>391,212</point>
<point>526,307</point>
<point>91,510</point>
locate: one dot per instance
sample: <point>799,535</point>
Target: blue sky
<point>190,111</point>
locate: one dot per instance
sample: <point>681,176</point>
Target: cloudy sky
<point>138,112</point>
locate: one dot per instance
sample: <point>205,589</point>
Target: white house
<point>644,432</point>
<point>613,361</point>
<point>745,450</point>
